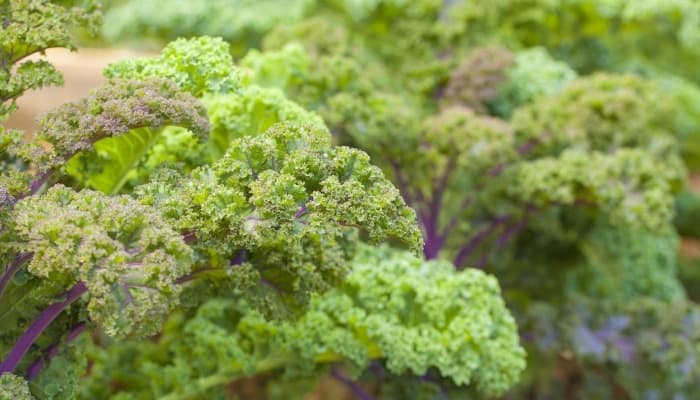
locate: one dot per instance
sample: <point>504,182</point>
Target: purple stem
<point>483,260</point>
<point>38,326</point>
<point>514,230</point>
<point>127,293</point>
<point>356,389</point>
<point>527,337</point>
<point>454,221</point>
<point>302,210</point>
<point>475,241</point>
<point>526,147</point>
<point>51,351</point>
<point>439,189</point>
<point>401,182</point>
<point>433,239</point>
<point>39,182</point>
<point>238,260</point>
<point>135,251</point>
<point>432,247</point>
<point>495,171</point>
<point>189,237</point>
<point>12,269</point>
<point>34,186</point>
<point>377,369</point>
<point>510,233</point>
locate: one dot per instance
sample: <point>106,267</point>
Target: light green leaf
<point>117,156</point>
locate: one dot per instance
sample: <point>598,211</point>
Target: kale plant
<point>210,221</point>
<point>264,210</point>
<point>561,181</point>
<point>291,349</point>
<point>569,201</point>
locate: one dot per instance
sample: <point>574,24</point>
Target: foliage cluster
<point>224,207</point>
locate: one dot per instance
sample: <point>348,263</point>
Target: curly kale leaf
<point>32,26</point>
<point>13,387</point>
<point>199,65</point>
<point>124,253</point>
<point>113,110</point>
<point>236,108</point>
<point>407,314</point>
<point>284,206</point>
